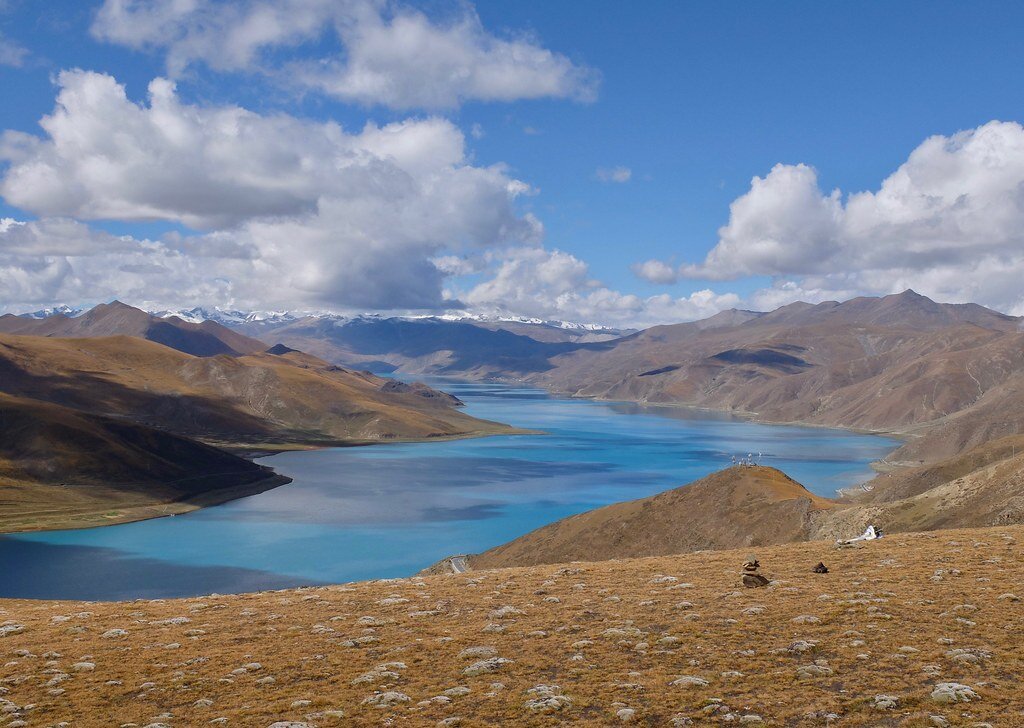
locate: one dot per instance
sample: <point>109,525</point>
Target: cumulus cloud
<point>554,284</point>
<point>59,260</point>
<point>390,54</point>
<point>948,223</point>
<point>614,174</point>
<point>656,271</point>
<point>296,213</point>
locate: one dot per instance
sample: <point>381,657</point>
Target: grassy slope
<point>893,618</point>
<point>736,507</point>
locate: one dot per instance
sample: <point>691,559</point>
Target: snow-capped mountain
<point>230,317</point>
<point>507,318</point>
<point>227,317</point>
<point>237,318</point>
<point>53,311</point>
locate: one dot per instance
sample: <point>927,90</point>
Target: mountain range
<point>206,338</point>
<point>946,378</point>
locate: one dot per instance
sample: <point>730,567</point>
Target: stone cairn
<point>751,574</point>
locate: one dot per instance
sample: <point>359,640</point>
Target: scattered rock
<point>386,700</point>
<point>814,670</point>
<point>491,664</point>
<point>689,681</point>
<point>547,699</point>
<point>885,702</point>
<point>951,692</point>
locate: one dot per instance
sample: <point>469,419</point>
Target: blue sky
<point>693,99</point>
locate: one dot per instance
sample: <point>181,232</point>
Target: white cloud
<point>614,174</point>
<point>948,223</point>
<point>11,53</point>
<point>300,213</point>
<point>457,265</point>
<point>656,271</point>
<point>62,260</point>
<point>390,54</point>
<point>556,285</point>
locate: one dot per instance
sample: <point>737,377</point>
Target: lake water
<point>390,510</point>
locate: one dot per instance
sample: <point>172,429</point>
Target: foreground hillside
<point>911,630</point>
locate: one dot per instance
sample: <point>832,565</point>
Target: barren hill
<point>754,506</point>
<point>62,467</point>
<point>948,376</point>
<point>733,508</point>
<point>426,345</point>
<point>118,319</point>
<point>252,400</point>
<point>915,630</point>
<point>93,430</point>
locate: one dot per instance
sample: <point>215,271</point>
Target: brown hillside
<point>118,319</point>
<point>734,508</point>
<point>949,376</point>
<point>249,400</point>
<point>60,467</point>
<point>754,506</point>
<point>982,487</point>
<point>894,632</point>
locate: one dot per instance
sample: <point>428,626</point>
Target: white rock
<point>547,699</point>
<point>813,671</point>
<point>951,692</point>
<point>886,702</point>
<point>386,700</point>
<point>491,664</point>
<point>689,681</point>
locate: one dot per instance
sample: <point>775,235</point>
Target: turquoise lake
<point>390,510</point>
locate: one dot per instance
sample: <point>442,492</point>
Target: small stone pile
<point>752,577</point>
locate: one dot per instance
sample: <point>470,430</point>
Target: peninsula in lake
<point>117,415</point>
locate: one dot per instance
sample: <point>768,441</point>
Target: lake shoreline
<point>356,513</point>
<point>114,515</point>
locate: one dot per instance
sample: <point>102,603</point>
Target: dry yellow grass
<point>890,622</point>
